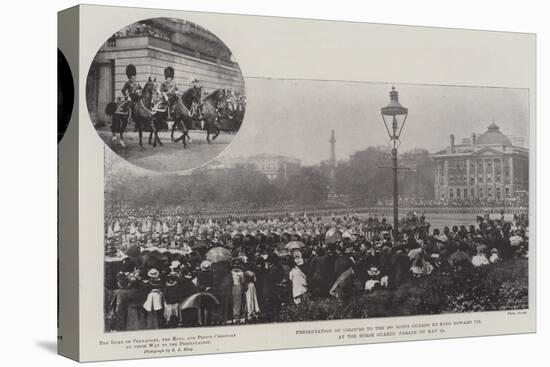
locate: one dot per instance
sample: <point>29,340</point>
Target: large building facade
<point>489,167</point>
<point>151,45</point>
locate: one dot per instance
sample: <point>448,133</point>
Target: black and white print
<point>165,94</point>
<point>342,200</point>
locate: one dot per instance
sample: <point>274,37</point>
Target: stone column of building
<point>512,181</point>
<point>476,190</point>
<point>484,179</point>
<point>494,190</point>
<point>446,173</point>
<point>501,183</point>
<point>467,180</point>
<point>439,183</point>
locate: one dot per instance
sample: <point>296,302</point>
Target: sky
<point>295,117</point>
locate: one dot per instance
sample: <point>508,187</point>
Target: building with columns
<point>486,167</point>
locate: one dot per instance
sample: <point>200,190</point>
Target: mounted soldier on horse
<point>151,107</point>
<point>121,111</point>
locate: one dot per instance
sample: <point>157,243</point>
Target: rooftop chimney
<point>473,138</point>
<point>452,146</point>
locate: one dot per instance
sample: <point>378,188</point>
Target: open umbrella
<point>218,254</point>
<point>294,245</point>
<point>199,300</point>
<point>117,258</point>
<point>280,249</point>
<point>199,244</point>
<point>333,236</point>
<point>151,249</point>
<point>459,257</point>
<point>133,251</point>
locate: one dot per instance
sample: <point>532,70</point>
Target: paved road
<point>171,156</point>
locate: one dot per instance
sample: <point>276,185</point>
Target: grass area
<point>490,288</point>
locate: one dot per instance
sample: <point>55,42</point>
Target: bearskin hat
<point>169,72</point>
<point>130,70</point>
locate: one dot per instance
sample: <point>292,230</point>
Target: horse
<point>183,113</point>
<point>143,114</point>
<point>208,113</point>
<point>119,120</point>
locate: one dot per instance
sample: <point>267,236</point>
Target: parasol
<point>280,249</point>
<point>333,236</point>
<point>459,257</point>
<point>200,300</point>
<point>294,245</point>
<point>199,244</point>
<point>218,254</point>
<point>133,251</point>
<point>117,258</point>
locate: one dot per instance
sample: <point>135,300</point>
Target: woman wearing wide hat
<point>172,299</point>
<point>237,275</point>
<point>154,304</point>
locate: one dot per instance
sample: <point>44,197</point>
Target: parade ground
<point>170,156</point>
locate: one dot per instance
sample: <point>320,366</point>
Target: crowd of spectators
<point>421,202</point>
<point>177,271</point>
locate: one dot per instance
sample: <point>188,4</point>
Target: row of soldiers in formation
<point>167,90</point>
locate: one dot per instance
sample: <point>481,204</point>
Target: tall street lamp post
<point>394,116</point>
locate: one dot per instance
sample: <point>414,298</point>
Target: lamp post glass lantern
<point>394,116</point>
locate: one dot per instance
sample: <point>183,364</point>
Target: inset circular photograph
<point>165,94</point>
<point>65,95</point>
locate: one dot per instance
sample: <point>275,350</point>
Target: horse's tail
<point>110,108</point>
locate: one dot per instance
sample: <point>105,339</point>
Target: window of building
<point>507,191</point>
<point>472,193</point>
<point>451,193</point>
<point>489,192</point>
<point>481,192</point>
<point>498,193</point>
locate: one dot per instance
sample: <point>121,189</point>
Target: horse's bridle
<point>183,106</point>
<point>145,108</point>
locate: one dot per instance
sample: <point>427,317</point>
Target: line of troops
<point>167,91</point>
<point>178,233</point>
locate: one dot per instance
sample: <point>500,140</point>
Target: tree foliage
<point>243,184</point>
<point>365,178</point>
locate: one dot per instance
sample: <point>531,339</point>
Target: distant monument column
<point>332,164</point>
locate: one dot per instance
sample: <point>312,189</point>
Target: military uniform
<point>129,89</point>
<point>168,90</point>
<point>197,91</point>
